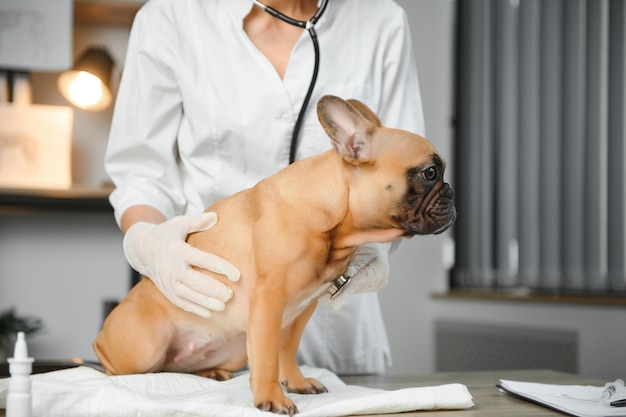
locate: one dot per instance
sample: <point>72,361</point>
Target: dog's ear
<point>365,111</point>
<point>348,128</point>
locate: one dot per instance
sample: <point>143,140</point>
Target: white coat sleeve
<point>141,153</point>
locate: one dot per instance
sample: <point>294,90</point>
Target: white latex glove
<point>160,252</point>
<point>369,271</point>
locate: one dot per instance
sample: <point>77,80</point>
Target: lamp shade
<point>88,84</point>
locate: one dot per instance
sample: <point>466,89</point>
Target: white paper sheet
<point>577,400</point>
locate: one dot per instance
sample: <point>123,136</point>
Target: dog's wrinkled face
<point>428,204</point>
<point>397,176</point>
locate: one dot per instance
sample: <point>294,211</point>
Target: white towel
<point>85,392</point>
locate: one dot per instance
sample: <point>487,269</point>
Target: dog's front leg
<point>267,303</point>
<point>290,375</point>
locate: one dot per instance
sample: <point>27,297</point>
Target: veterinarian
<point>208,103</point>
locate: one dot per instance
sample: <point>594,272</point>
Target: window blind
<point>539,147</point>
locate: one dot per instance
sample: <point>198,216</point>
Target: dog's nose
<point>447,191</point>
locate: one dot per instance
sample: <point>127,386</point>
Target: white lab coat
<point>201,113</point>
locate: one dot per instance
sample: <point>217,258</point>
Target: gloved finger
<point>213,263</point>
<point>352,270</point>
<point>206,286</point>
<point>354,286</point>
<point>192,307</point>
<point>196,300</point>
<point>335,303</point>
<point>338,302</point>
<point>371,277</point>
<point>375,276</point>
<point>202,221</point>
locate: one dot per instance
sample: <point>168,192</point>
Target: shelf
<point>605,299</point>
<point>102,12</point>
<point>76,199</point>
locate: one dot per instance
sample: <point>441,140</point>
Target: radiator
<point>462,346</point>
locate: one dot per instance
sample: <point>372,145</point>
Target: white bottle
<point>19,400</point>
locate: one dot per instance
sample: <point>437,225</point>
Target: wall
<point>417,266</point>
<point>417,271</point>
<point>63,266</point>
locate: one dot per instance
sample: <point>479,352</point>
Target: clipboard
<point>573,400</point>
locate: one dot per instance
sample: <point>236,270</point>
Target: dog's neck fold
<point>361,237</point>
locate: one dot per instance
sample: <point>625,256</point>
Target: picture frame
<point>36,35</point>
<point>35,146</point>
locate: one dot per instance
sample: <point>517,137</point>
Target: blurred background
<point>525,99</point>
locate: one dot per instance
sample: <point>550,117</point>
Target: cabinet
<point>101,12</point>
<point>77,199</point>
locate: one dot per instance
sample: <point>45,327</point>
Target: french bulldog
<point>291,236</point>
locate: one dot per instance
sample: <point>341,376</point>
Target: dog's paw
<point>304,386</point>
<point>216,374</point>
<point>278,406</point>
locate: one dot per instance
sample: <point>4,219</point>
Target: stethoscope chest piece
<point>338,286</point>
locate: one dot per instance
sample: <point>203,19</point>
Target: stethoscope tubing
<point>307,97</point>
<point>299,23</point>
<point>341,282</point>
<point>310,27</point>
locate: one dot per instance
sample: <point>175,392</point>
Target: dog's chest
<point>299,302</point>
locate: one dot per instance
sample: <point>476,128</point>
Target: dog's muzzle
<point>434,215</point>
<point>441,210</point>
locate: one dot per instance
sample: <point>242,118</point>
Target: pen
<point>611,388</point>
<point>618,403</point>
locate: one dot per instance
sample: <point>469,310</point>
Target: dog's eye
<point>430,174</point>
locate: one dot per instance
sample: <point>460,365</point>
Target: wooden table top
<point>488,399</point>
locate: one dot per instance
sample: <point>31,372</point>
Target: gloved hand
<point>160,252</point>
<point>369,271</point>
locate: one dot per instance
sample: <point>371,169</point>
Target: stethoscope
<point>310,27</point>
<point>340,283</point>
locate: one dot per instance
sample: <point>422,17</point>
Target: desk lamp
<point>88,84</point>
